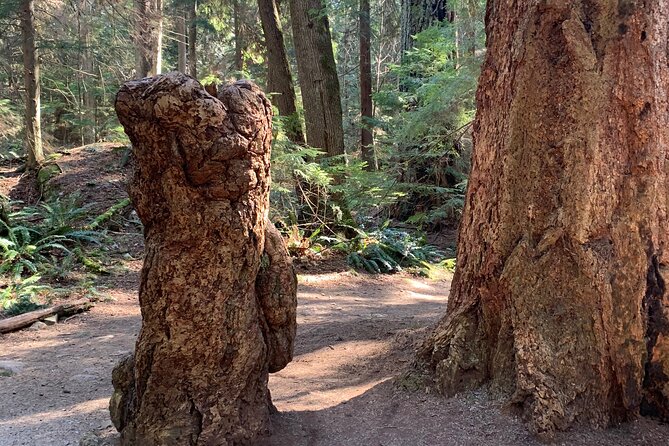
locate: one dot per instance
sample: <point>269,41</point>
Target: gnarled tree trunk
<point>218,290</point>
<point>559,296</point>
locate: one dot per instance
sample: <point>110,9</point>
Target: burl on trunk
<point>559,298</point>
<point>218,291</point>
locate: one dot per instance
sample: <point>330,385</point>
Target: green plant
<point>21,296</point>
<point>24,248</point>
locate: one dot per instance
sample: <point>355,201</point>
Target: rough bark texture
<point>559,294</point>
<point>33,138</point>
<point>317,76</point>
<point>148,37</point>
<point>217,314</point>
<point>279,77</point>
<point>366,109</point>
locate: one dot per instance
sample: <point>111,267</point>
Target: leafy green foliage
<point>39,241</point>
<point>387,250</point>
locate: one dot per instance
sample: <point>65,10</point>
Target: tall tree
<point>279,77</point>
<point>318,79</point>
<point>559,297</point>
<point>182,38</point>
<point>239,37</point>
<point>192,38</point>
<point>418,15</point>
<point>218,292</point>
<point>148,37</point>
<point>33,139</point>
<point>366,107</point>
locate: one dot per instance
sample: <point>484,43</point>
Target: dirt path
<point>356,332</point>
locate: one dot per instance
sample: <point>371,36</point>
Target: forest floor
<point>356,335</point>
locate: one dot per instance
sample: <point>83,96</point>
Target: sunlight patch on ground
<point>38,418</point>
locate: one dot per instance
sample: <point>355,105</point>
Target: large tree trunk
<point>279,77</point>
<point>558,297</point>
<point>148,37</point>
<point>33,138</point>
<point>217,314</point>
<point>317,76</point>
<point>366,135</point>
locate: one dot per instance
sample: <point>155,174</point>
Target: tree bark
<point>558,300</point>
<point>31,77</point>
<point>148,37</point>
<point>192,39</point>
<point>217,314</point>
<point>317,76</point>
<point>279,77</point>
<point>366,108</point>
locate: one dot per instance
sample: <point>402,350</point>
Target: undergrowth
<point>40,246</point>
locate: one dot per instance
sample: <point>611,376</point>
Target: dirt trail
<point>356,332</point>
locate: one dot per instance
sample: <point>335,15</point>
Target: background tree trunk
<point>366,109</point>
<point>239,38</point>
<point>182,44</point>
<point>318,79</point>
<point>279,77</point>
<point>419,15</point>
<point>192,38</point>
<point>148,37</point>
<point>33,138</point>
<point>216,316</point>
<point>558,298</point>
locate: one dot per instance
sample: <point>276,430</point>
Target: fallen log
<point>23,320</point>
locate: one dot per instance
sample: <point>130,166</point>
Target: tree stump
<point>218,291</point>
<point>559,297</point>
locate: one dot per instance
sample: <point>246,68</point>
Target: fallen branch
<point>26,319</point>
<point>108,214</point>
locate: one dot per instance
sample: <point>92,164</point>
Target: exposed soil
<point>356,335</point>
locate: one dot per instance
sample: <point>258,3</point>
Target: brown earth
<point>356,335</point>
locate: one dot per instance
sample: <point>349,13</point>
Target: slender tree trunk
<point>558,300</point>
<point>148,37</point>
<point>317,76</point>
<point>89,129</point>
<point>239,39</point>
<point>218,292</point>
<point>33,138</point>
<point>182,45</point>
<point>192,38</point>
<point>366,108</point>
<point>279,77</point>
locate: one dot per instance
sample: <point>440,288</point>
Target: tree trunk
<point>558,296</point>
<point>192,38</point>
<point>148,37</point>
<point>317,76</point>
<point>217,314</point>
<point>419,15</point>
<point>239,39</point>
<point>182,47</point>
<point>33,141</point>
<point>366,135</point>
<point>279,77</point>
